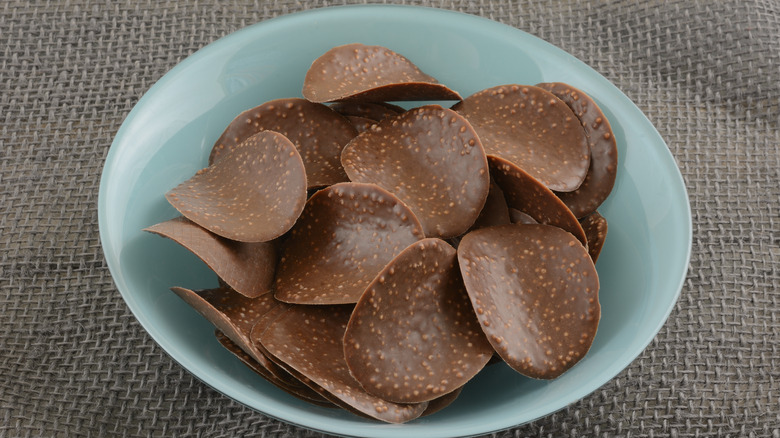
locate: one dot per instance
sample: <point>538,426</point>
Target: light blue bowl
<point>169,134</point>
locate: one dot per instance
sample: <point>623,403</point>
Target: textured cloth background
<point>74,362</point>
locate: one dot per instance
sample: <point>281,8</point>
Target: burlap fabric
<point>74,362</point>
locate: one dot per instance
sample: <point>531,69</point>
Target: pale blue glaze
<point>168,136</point>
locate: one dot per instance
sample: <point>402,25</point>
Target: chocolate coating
<point>375,111</point>
<point>248,268</point>
<point>318,132</point>
<point>361,124</point>
<point>254,193</point>
<point>530,196</point>
<point>441,402</point>
<point>595,226</point>
<point>291,386</point>
<point>357,72</point>
<point>495,211</point>
<point>260,327</point>
<point>319,389</point>
<point>347,233</point>
<point>602,171</point>
<point>518,217</point>
<point>413,335</point>
<point>535,292</point>
<point>431,158</point>
<point>309,340</point>
<point>533,129</point>
<point>232,313</point>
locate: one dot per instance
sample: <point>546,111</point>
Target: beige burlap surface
<point>74,361</point>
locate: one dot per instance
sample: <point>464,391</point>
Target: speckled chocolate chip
<point>595,226</point>
<point>291,386</point>
<point>495,211</point>
<point>431,158</point>
<point>345,236</point>
<point>518,217</point>
<point>602,172</point>
<point>535,292</point>
<point>254,193</point>
<point>533,129</point>
<point>375,111</point>
<point>523,192</point>
<point>413,335</point>
<point>318,132</point>
<point>309,340</point>
<point>232,313</point>
<point>357,72</point>
<point>248,268</point>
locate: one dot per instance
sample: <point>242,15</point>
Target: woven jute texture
<point>74,361</point>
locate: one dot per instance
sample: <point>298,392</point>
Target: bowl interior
<point>169,134</point>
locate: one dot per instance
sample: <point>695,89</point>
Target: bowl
<point>170,132</point>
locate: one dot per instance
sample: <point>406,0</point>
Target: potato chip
<point>518,217</point>
<point>232,313</point>
<point>375,111</point>
<point>318,132</point>
<point>602,171</point>
<point>595,227</point>
<point>248,268</point>
<point>531,197</point>
<point>254,193</point>
<point>309,339</point>
<point>495,211</point>
<point>298,389</point>
<point>334,400</point>
<point>535,292</point>
<point>413,335</point>
<point>345,236</point>
<point>441,402</point>
<point>361,73</point>
<point>532,129</point>
<point>262,324</point>
<point>430,158</point>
